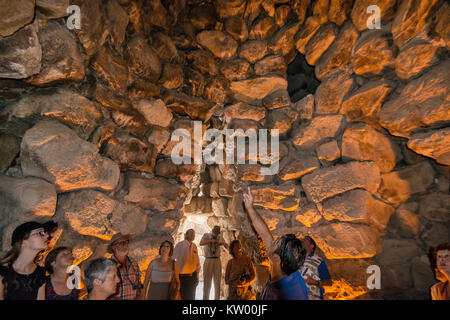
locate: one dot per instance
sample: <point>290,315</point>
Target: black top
<point>22,286</point>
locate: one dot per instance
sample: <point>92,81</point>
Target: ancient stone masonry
<point>87,115</point>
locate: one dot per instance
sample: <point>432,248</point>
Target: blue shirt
<point>292,287</point>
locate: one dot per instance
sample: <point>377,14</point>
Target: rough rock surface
<point>55,153</point>
<point>362,142</point>
<point>20,53</point>
<point>328,182</point>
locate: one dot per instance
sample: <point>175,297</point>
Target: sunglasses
<point>40,233</point>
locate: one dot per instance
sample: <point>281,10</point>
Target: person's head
<point>309,244</point>
<point>235,248</point>
<point>216,230</point>
<point>119,245</point>
<point>58,259</point>
<point>29,236</point>
<point>189,235</point>
<point>101,276</point>
<point>442,258</point>
<point>166,248</point>
<point>288,253</point>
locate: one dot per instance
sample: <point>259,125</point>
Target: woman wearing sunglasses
<point>20,277</point>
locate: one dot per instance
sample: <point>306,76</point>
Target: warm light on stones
<point>342,290</point>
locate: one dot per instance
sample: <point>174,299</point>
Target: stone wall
<point>86,118</point>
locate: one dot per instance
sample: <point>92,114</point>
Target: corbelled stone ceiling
<point>87,115</point>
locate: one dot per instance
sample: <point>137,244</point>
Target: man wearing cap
<point>20,277</point>
<point>129,273</point>
<point>212,267</point>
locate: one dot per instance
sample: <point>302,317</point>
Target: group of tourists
<point>296,272</point>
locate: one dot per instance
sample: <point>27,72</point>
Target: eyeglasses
<point>121,243</point>
<point>40,233</point>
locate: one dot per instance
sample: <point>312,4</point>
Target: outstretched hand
<point>248,199</point>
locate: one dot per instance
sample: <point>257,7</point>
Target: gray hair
<point>97,269</point>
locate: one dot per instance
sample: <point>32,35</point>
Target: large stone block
<point>372,53</point>
<point>362,142</point>
<point>298,165</point>
<point>254,90</point>
<point>243,110</point>
<point>237,69</point>
<point>411,18</point>
<point>78,112</point>
<point>154,111</point>
<point>217,90</point>
<point>434,144</point>
<point>281,120</point>
<point>203,61</point>
<point>415,57</point>
<point>320,42</point>
<point>307,136</point>
<point>61,58</point>
<point>361,17</point>
<point>52,151</point>
<point>365,103</point>
<point>339,54</point>
<point>131,153</point>
<point>282,43</point>
<point>332,91</point>
<point>172,76</point>
<point>237,28</point>
<point>110,67</point>
<point>116,22</point>
<point>15,16</point>
<point>284,197</point>
<point>328,182</point>
<point>263,29</point>
<point>422,102</point>
<point>253,50</point>
<point>25,198</point>
<point>328,152</point>
<point>167,169</point>
<point>220,44</point>
<point>271,65</point>
<point>155,194</point>
<point>92,213</point>
<point>398,186</point>
<point>165,47</point>
<point>229,8</point>
<point>306,33</point>
<point>346,240</point>
<point>51,9</point>
<point>339,11</point>
<point>93,31</point>
<point>194,107</point>
<point>20,53</point>
<point>357,206</point>
<point>307,214</point>
<point>144,60</point>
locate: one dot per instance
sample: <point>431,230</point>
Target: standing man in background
<point>186,255</point>
<point>212,267</point>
